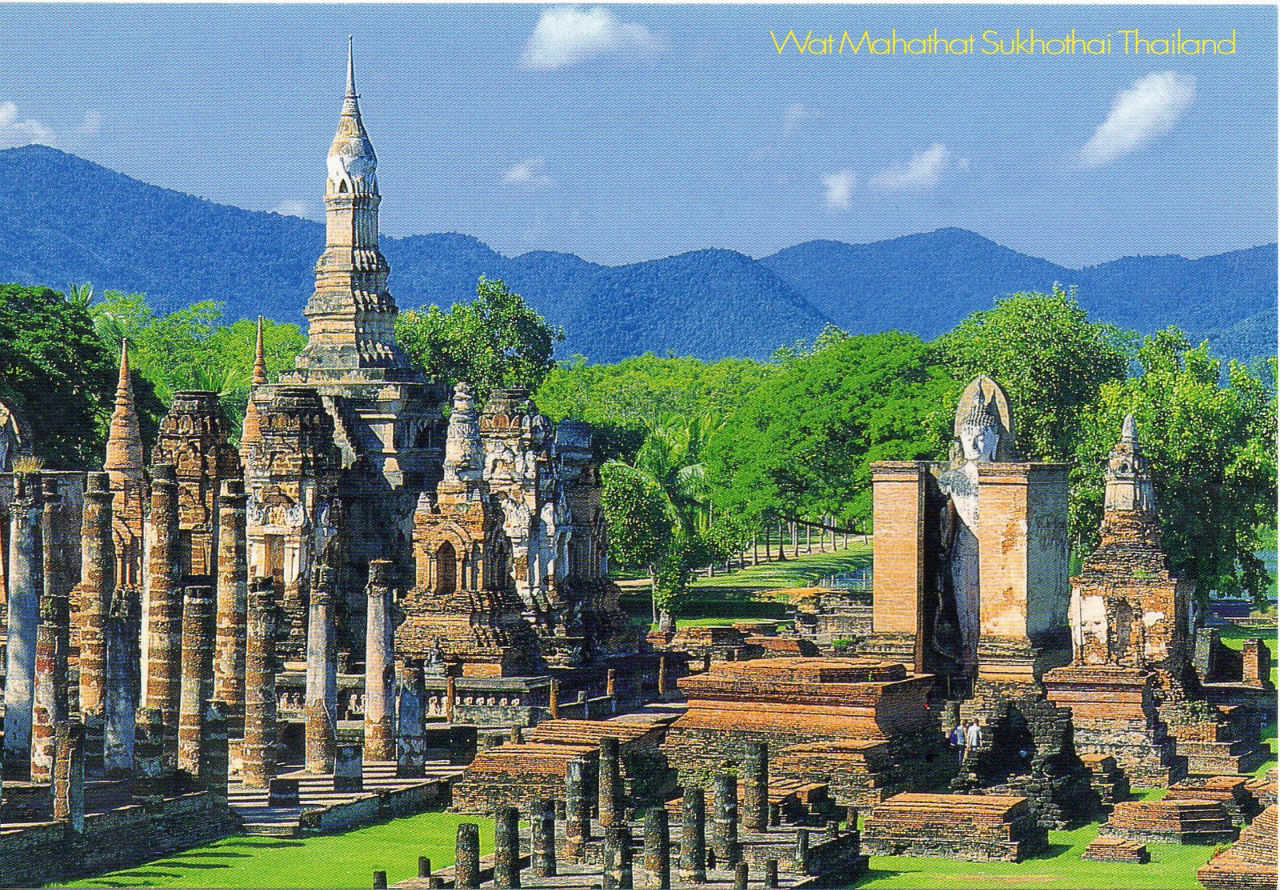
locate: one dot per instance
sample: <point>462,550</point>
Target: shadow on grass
<point>1052,852</point>
<point>210,854</point>
<point>246,844</point>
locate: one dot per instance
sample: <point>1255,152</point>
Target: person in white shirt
<point>972,737</point>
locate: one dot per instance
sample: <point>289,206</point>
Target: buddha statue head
<point>979,432</point>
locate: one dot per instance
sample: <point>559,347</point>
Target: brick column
<point>411,713</point>
<point>755,787</point>
<point>151,778</point>
<point>26,588</point>
<point>617,858</point>
<point>693,836</point>
<point>610,783</point>
<point>121,681</point>
<point>197,673</point>
<point>899,506</point>
<point>322,674</point>
<point>215,760</point>
<point>506,848</point>
<point>466,860</point>
<point>97,583</point>
<point>162,677</point>
<point>724,820</point>
<point>577,823</point>
<point>542,830</point>
<point>49,701</point>
<point>259,754</point>
<point>657,847</point>
<point>233,602</point>
<point>68,776</point>
<point>379,677</point>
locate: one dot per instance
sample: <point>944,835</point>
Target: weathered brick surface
<point>954,826</point>
<point>1250,863</point>
<point>1169,822</point>
<point>1114,849</point>
<point>1230,792</point>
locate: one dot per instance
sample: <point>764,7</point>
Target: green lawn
<point>800,572</point>
<point>330,861</point>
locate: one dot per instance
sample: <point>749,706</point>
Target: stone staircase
<point>316,791</point>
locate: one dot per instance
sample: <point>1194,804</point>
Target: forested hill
<point>65,220</point>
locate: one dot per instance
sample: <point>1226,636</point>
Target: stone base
<point>954,826</point>
<point>1229,792</point>
<point>1114,849</point>
<point>1249,864</point>
<point>1169,822</point>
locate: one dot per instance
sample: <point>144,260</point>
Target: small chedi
<point>1131,686</point>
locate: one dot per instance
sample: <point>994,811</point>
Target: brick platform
<point>1230,792</point>
<point>1169,822</point>
<point>977,828</point>
<point>1250,863</point>
<point>1114,849</point>
<point>1108,781</point>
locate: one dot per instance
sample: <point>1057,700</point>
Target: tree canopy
<point>1050,359</point>
<point>495,341</point>
<point>57,372</point>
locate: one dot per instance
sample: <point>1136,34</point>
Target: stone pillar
<point>411,713</point>
<point>162,677</point>
<point>755,787</point>
<point>506,848</point>
<point>150,775</point>
<point>466,860</point>
<point>770,873</point>
<point>215,755</point>
<point>379,880</point>
<point>322,674</point>
<point>68,776</point>
<point>740,875</point>
<point>802,851</point>
<point>197,673</point>
<point>577,823</point>
<point>49,701</point>
<point>617,858</point>
<point>348,768</point>
<point>450,695</point>
<point>26,588</point>
<point>122,678</point>
<point>657,847</point>
<point>258,750</point>
<point>553,699</point>
<point>662,676</point>
<point>693,836</point>
<point>542,830</point>
<point>379,677</point>
<point>610,783</point>
<point>424,866</point>
<point>724,820</point>
<point>97,584</point>
<point>851,817</point>
<point>233,603</point>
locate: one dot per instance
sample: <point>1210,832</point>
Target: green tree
<point>495,341</point>
<point>640,518</point>
<point>57,372</point>
<point>1050,359</point>
<point>1212,448</point>
<point>800,446</point>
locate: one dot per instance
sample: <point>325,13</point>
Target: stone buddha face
<point>978,441</point>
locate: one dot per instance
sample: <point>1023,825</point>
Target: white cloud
<point>528,174</point>
<point>797,113</point>
<point>15,132</point>
<point>565,35</point>
<point>293,208</point>
<point>1146,109</point>
<point>839,186</point>
<point>921,172</point>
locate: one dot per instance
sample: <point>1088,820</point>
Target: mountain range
<point>65,220</point>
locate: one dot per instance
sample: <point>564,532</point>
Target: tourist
<point>972,736</point>
<point>961,733</point>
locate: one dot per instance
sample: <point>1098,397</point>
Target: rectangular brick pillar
<point>899,505</point>
<point>68,776</point>
<point>121,681</point>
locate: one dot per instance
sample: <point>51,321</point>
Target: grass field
<point>802,571</point>
<point>331,861</point>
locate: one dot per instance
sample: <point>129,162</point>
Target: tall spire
<point>1128,475</point>
<point>351,314</point>
<point>124,438</point>
<point>351,71</point>
<point>259,359</point>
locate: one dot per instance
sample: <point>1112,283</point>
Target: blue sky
<point>623,133</point>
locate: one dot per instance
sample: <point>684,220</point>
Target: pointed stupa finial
<point>259,359</point>
<point>124,437</point>
<point>1129,431</point>
<point>351,70</point>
